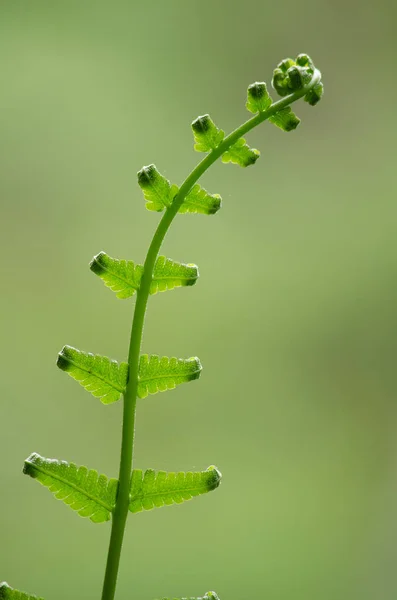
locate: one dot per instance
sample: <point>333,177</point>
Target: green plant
<point>97,497</point>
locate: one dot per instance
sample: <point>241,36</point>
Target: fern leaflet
<point>206,134</point>
<point>153,489</point>
<point>285,119</point>
<point>169,274</point>
<point>158,191</point>
<point>104,378</point>
<point>241,154</point>
<point>161,374</point>
<point>121,276</point>
<point>199,200</point>
<point>90,494</point>
<point>258,99</point>
<point>8,593</point>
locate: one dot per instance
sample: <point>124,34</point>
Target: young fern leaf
<point>199,200</point>
<point>153,490</point>
<point>169,274</point>
<point>121,276</point>
<point>258,99</point>
<point>207,596</point>
<point>161,374</point>
<point>8,593</point>
<point>241,154</point>
<point>89,494</point>
<point>206,134</point>
<point>158,191</point>
<point>103,378</point>
<point>285,119</point>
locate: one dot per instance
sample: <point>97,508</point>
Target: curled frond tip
<point>292,75</point>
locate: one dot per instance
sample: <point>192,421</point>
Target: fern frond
<point>241,154</point>
<point>169,274</point>
<point>8,593</point>
<point>258,99</point>
<point>157,374</point>
<point>207,135</point>
<point>103,378</point>
<point>90,494</point>
<point>199,200</point>
<point>158,191</point>
<point>121,276</point>
<point>155,489</point>
<point>207,596</point>
<point>285,119</point>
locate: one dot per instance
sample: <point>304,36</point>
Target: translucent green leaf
<point>121,276</point>
<point>206,134</point>
<point>258,99</point>
<point>155,489</point>
<point>158,191</point>
<point>90,494</point>
<point>124,276</point>
<point>285,119</point>
<point>104,378</point>
<point>241,154</point>
<point>161,374</point>
<point>169,274</point>
<point>199,200</point>
<point>207,596</point>
<point>7,593</point>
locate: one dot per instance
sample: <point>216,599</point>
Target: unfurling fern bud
<point>292,75</point>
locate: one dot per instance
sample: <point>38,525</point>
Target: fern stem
<point>130,397</point>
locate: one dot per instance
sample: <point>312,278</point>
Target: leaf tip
<point>215,477</point>
<point>3,590</point>
<point>197,367</point>
<point>202,124</point>
<point>28,467</point>
<point>97,263</point>
<point>147,175</point>
<point>64,358</point>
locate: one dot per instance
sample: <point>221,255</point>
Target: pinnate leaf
<point>161,374</point>
<point>104,378</point>
<point>199,200</point>
<point>8,593</point>
<point>158,191</point>
<point>285,119</point>
<point>241,154</point>
<point>258,99</point>
<point>169,274</point>
<point>121,276</point>
<point>91,495</point>
<point>153,489</point>
<point>207,135</point>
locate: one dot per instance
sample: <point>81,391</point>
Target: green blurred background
<point>294,317</point>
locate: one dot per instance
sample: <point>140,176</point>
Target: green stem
<point>130,397</point>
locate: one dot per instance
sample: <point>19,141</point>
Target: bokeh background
<point>294,317</point>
